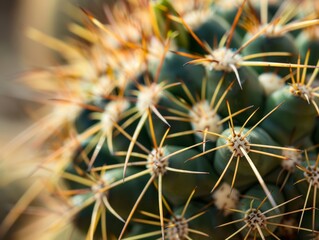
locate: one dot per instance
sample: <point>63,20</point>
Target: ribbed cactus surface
<point>186,120</point>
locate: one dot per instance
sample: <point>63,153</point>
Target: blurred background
<point>11,116</point>
<point>19,54</point>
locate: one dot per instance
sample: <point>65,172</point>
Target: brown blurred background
<point>18,53</point>
<point>10,64</point>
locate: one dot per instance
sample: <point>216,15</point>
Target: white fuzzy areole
<point>236,142</point>
<point>178,228</point>
<point>255,218</point>
<point>226,59</point>
<point>148,96</point>
<point>103,87</point>
<point>196,18</point>
<point>65,113</point>
<point>302,91</point>
<point>270,82</point>
<point>203,117</point>
<point>312,175</point>
<point>156,162</point>
<point>293,158</point>
<point>112,113</point>
<point>156,49</point>
<point>226,198</point>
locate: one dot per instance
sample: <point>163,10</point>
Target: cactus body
<point>188,106</point>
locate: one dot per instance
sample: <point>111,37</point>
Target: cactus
<point>185,120</point>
